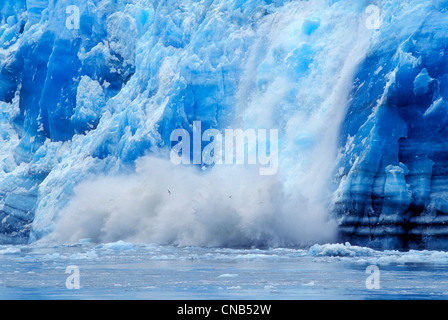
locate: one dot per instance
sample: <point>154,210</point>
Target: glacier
<point>88,106</point>
<point>392,170</point>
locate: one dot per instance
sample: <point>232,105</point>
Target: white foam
<point>165,204</point>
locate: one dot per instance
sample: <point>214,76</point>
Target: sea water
<point>122,270</point>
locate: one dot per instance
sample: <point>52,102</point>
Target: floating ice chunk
<point>339,250</point>
<point>11,250</point>
<point>89,255</point>
<point>118,246</point>
<point>53,256</point>
<point>390,257</point>
<point>163,257</point>
<point>234,288</point>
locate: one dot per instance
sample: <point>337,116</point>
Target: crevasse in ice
<point>359,109</point>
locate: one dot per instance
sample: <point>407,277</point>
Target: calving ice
<point>229,148</point>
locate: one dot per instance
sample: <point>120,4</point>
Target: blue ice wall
<point>88,96</point>
<point>392,190</point>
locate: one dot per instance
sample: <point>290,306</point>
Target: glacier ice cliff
<point>392,168</point>
<point>361,113</point>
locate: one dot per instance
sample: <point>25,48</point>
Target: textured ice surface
<point>87,102</point>
<point>81,104</point>
<point>392,189</point>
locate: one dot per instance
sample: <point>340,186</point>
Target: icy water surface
<point>128,271</point>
